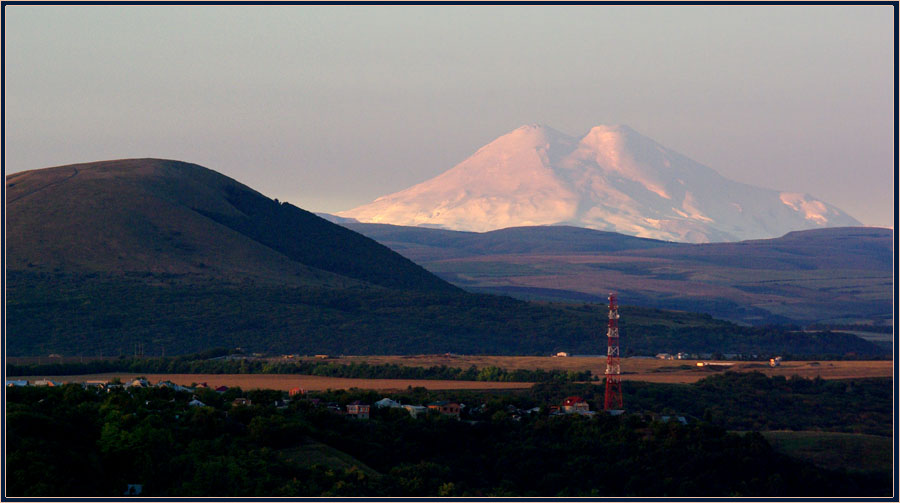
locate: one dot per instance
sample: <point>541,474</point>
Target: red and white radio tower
<point>613,398</point>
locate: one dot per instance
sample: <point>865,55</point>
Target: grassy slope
<point>148,215</point>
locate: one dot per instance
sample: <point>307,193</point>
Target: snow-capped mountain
<point>612,179</point>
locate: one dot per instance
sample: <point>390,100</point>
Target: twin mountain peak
<point>611,179</point>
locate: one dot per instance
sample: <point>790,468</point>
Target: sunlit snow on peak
<point>613,178</point>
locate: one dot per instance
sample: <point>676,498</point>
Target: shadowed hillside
<point>149,215</point>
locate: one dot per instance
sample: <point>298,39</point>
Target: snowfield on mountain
<point>612,179</point>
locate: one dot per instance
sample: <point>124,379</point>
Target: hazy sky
<point>329,107</point>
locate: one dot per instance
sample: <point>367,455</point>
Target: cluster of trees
<point>201,365</point>
<point>71,441</point>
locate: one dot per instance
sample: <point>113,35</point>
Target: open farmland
<point>633,369</point>
<point>287,382</point>
<point>641,369</point>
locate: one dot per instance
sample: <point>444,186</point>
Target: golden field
<point>641,369</point>
<point>286,382</point>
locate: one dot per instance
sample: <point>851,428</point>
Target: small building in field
<point>358,410</point>
<point>775,362</point>
<point>221,389</point>
<point>241,401</point>
<point>46,382</point>
<point>562,354</point>
<point>446,408</point>
<point>575,404</point>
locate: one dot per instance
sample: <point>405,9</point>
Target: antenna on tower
<point>612,400</point>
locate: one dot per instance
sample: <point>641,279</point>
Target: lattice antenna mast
<point>613,398</point>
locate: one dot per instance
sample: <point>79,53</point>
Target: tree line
<point>198,364</point>
<point>70,441</point>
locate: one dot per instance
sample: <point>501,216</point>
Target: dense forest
<point>71,441</point>
<point>101,315</point>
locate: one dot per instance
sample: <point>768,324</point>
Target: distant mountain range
<point>611,179</point>
<point>824,275</point>
<point>166,257</point>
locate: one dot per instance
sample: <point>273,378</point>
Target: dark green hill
<point>150,215</point>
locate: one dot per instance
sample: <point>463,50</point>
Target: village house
<point>241,401</point>
<point>387,402</point>
<point>101,385</point>
<point>358,410</point>
<point>415,410</point>
<point>139,383</point>
<point>575,405</point>
<point>171,385</point>
<point>446,408</point>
